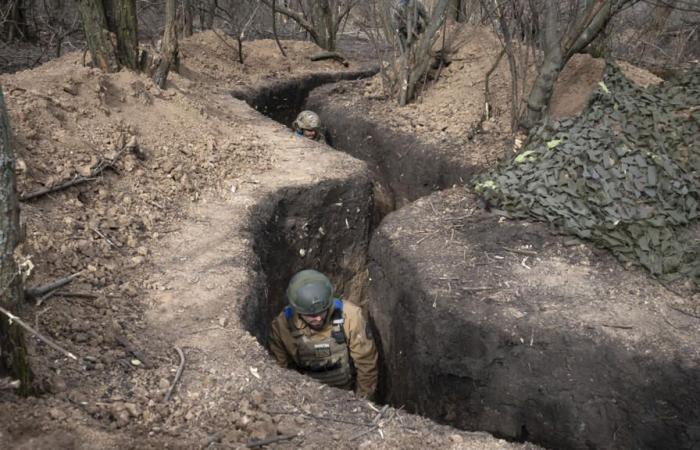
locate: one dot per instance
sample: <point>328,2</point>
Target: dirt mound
<point>450,109</point>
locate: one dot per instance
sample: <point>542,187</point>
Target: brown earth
<point>164,247</point>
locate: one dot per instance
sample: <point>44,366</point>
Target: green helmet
<point>310,292</point>
<point>307,120</point>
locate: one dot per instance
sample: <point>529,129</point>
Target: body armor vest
<point>327,360</point>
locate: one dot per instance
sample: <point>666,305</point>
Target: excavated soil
<point>522,334</point>
<point>185,243</point>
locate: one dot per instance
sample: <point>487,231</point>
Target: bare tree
<point>168,59</point>
<point>207,10</point>
<point>13,353</point>
<point>187,16</point>
<point>111,33</point>
<point>13,21</point>
<point>560,44</point>
<point>320,18</point>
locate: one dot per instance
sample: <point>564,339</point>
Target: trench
<point>479,379</point>
<point>402,169</point>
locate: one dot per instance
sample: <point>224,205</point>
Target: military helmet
<point>310,292</point>
<point>307,120</point>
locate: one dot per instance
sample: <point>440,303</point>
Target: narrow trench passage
<point>584,390</point>
<point>403,170</point>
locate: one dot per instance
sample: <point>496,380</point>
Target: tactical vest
<point>328,360</point>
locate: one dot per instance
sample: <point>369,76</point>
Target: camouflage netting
<point>624,174</point>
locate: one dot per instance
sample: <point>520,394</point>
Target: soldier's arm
<point>277,348</point>
<point>364,355</point>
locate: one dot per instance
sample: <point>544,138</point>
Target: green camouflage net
<point>623,174</point>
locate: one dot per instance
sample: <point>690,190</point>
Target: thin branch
<point>178,374</point>
<point>46,340</point>
<point>274,28</point>
<point>38,291</point>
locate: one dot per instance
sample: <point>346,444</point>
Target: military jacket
<point>320,355</point>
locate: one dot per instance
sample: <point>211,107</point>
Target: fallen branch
<point>521,252</point>
<point>76,295</point>
<point>271,440</point>
<point>178,374</point>
<point>46,340</point>
<point>38,292</point>
<point>97,170</point>
<point>329,55</point>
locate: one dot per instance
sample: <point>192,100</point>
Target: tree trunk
<point>454,10</point>
<point>423,56</point>
<point>558,50</point>
<point>13,353</point>
<point>127,33</point>
<point>169,52</point>
<point>100,41</point>
<point>187,20</point>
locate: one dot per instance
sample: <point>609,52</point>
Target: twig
<point>380,414</point>
<point>76,295</point>
<point>372,425</point>
<point>521,252</point>
<point>98,169</point>
<point>178,374</point>
<point>478,289</point>
<point>116,245</point>
<point>46,340</point>
<point>157,205</point>
<point>37,292</point>
<point>623,327</point>
<point>684,312</point>
<point>274,28</point>
<point>271,440</point>
<point>312,416</point>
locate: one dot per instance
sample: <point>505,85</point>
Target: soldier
<point>324,337</point>
<point>402,12</point>
<point>308,124</point>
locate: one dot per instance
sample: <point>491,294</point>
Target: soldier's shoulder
<point>351,309</point>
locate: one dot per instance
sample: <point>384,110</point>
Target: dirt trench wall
<point>283,100</point>
<point>565,348</point>
<point>406,167</point>
<point>324,227</point>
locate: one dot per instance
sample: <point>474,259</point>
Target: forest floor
<point>146,239</point>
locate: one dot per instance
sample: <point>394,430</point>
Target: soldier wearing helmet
<point>308,124</point>
<point>324,337</point>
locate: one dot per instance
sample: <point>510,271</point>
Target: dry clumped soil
<point>139,236</point>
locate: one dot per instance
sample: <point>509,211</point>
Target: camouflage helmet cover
<point>307,120</point>
<point>310,292</point>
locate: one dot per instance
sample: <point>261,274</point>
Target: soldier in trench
<point>324,337</point>
<point>308,124</point>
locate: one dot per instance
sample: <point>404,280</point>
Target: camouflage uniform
<point>342,354</point>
